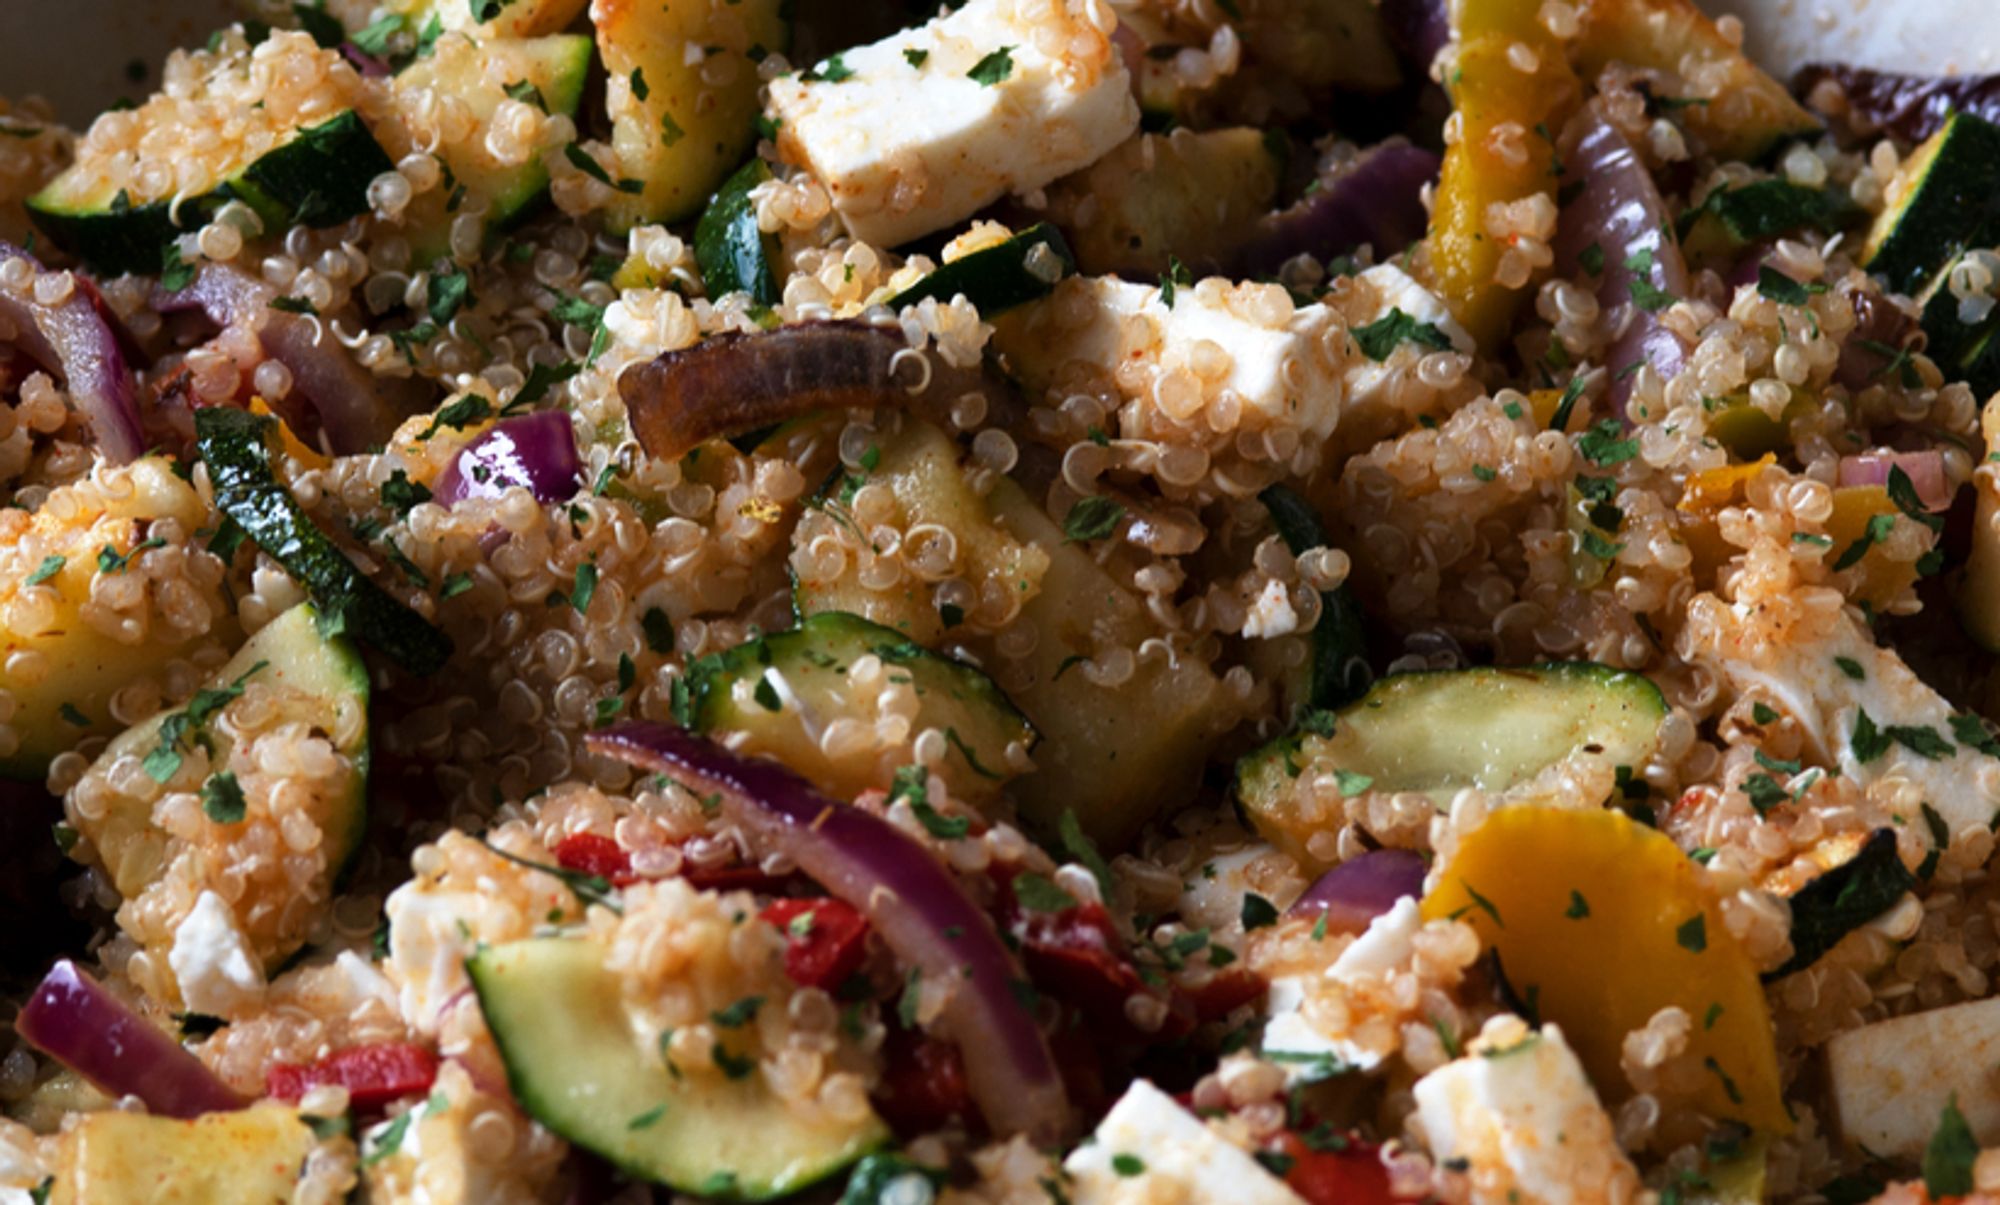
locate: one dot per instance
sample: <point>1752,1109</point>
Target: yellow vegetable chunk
<point>1542,886</point>
<point>114,1158</point>
<point>1504,154</point>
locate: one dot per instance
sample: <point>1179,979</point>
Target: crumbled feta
<point>1291,1040</point>
<point>1522,1114</point>
<point>212,959</point>
<point>1271,613</point>
<point>1371,384</point>
<point>1149,1148</point>
<point>927,127</point>
<point>432,931</point>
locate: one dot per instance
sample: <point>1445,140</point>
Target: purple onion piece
<point>1925,470</point>
<point>910,899</point>
<point>1909,107</point>
<point>73,339</point>
<point>1377,200</point>
<point>1362,888</point>
<point>75,1020</point>
<point>366,64</point>
<point>536,451</point>
<point>1418,29</point>
<point>352,406</point>
<point>1619,212</point>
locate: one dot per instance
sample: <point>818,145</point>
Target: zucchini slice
<point>682,96</point>
<point>783,691</point>
<point>1963,351</point>
<point>310,678</point>
<point>548,72</point>
<point>734,255</point>
<point>996,279</point>
<point>235,446</point>
<point>254,1154</point>
<point>576,1066</point>
<point>1338,672</point>
<point>1730,219</point>
<point>1188,195</point>
<point>1438,732</point>
<point>1944,195</point>
<point>316,176</point>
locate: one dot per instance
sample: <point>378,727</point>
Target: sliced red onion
<point>537,451</point>
<point>909,898</point>
<point>1377,200</point>
<point>73,340</point>
<point>733,383</point>
<point>1619,212</point>
<point>352,406</point>
<point>1925,470</point>
<point>1418,29</point>
<point>73,1019</point>
<point>364,63</point>
<point>1362,888</point>
<point>1910,107</point>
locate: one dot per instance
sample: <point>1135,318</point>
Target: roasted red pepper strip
<point>923,1084</point>
<point>1335,1171</point>
<point>589,853</point>
<point>825,940</point>
<point>373,1075</point>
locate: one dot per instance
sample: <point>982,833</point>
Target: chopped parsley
<point>833,71</point>
<point>1038,893</point>
<point>993,68</point>
<point>222,798</point>
<point>1692,935</point>
<point>1257,912</point>
<point>1384,335</point>
<point>1776,286</point>
<point>1579,908</point>
<point>50,566</point>
<point>1091,518</point>
<point>1949,1157</point>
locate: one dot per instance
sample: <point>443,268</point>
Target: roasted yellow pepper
<point>1541,884</point>
<point>1511,88</point>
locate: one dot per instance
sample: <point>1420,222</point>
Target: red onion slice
<point>73,339</point>
<point>1360,889</point>
<point>910,899</point>
<point>1619,212</point>
<point>537,451</point>
<point>1377,200</point>
<point>1910,107</point>
<point>73,1019</point>
<point>352,405</point>
<point>1925,470</point>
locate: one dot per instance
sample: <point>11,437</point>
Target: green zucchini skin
<point>233,445</point>
<point>1340,670</point>
<point>1952,205</point>
<point>733,254</point>
<point>994,279</point>
<point>319,178</point>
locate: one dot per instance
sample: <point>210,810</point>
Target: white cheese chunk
<point>432,931</point>
<point>1524,1118</point>
<point>211,958</point>
<point>1892,1079</point>
<point>924,129</point>
<point>1148,1148</point>
<point>1292,1041</point>
<point>1271,613</point>
<point>1371,384</point>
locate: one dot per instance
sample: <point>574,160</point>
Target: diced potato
<point>253,1155</point>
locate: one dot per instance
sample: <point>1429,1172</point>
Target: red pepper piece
<point>374,1075</point>
<point>1348,1172</point>
<point>589,853</point>
<point>923,1084</point>
<point>825,939</point>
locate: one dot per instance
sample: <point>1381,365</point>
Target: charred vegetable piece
<point>1439,731</point>
<point>1909,107</point>
<point>780,692</point>
<point>233,445</point>
<point>558,1016</point>
<point>1374,201</point>
<point>1190,196</point>
<point>996,279</point>
<point>1540,883</point>
<point>1338,671</point>
<point>1731,219</point>
<point>1844,898</point>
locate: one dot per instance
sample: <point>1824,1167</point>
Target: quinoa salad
<point>1088,602</point>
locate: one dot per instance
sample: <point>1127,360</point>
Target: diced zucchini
<point>1437,732</point>
<point>1748,112</point>
<point>548,72</point>
<point>317,176</point>
<point>920,467</point>
<point>576,1066</point>
<point>311,678</point>
<point>1117,755</point>
<point>1186,195</point>
<point>781,692</point>
<point>682,96</point>
<point>1963,351</point>
<point>1730,219</point>
<point>235,446</point>
<point>1338,672</point>
<point>996,279</point>
<point>1942,197</point>
<point>735,256</point>
<point>55,710</point>
<point>251,1156</point>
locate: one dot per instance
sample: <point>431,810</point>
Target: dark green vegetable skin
<point>733,254</point>
<point>1340,672</point>
<point>996,279</point>
<point>232,444</point>
<point>1845,898</point>
<point>319,178</point>
<point>1953,207</point>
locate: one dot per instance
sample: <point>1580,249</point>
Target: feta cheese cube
<point>1292,1040</point>
<point>926,128</point>
<point>1522,1114</point>
<point>1149,1148</point>
<point>212,959</point>
<point>432,931</point>
<point>1892,1079</point>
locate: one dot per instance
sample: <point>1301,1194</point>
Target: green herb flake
<point>993,68</point>
<point>915,56</point>
<point>1591,259</point>
<point>1949,1157</point>
<point>1692,935</point>
<point>1384,335</point>
<point>1351,782</point>
<point>1038,893</point>
<point>1091,518</point>
<point>222,799</point>
<point>50,566</point>
<point>1257,912</point>
<point>1128,1165</point>
<point>1579,908</point>
<point>739,1014</point>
